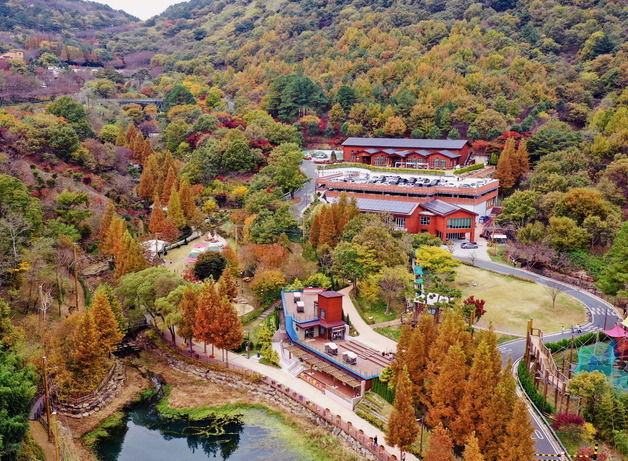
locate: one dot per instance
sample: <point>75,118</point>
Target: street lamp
<point>248,355</point>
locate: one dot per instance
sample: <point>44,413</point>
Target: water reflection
<point>147,436</point>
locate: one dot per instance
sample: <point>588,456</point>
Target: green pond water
<point>253,436</point>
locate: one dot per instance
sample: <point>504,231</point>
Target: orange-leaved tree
<point>187,309</point>
<point>440,446</point>
<point>472,450</point>
<point>228,328</point>
<point>108,330</point>
<point>206,312</point>
<point>402,428</point>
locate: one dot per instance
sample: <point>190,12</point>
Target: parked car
<point>469,245</point>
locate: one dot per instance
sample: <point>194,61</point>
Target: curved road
<point>600,314</point>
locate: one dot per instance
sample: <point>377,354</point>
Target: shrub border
<point>374,168</point>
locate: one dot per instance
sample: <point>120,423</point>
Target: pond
<point>252,435</point>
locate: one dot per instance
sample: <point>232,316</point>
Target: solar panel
<point>387,206</point>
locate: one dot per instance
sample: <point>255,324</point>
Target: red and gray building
<point>433,154</point>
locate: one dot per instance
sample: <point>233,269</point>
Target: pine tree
<point>106,221</point>
<point>445,392</point>
<point>440,446</point>
<point>168,184</point>
<point>186,199</point>
<point>187,309</point>
<point>518,444</point>
<point>227,328</point>
<point>504,171</point>
<point>472,450</point>
<point>227,285</point>
<point>175,213</point>
<point>206,312</point>
<point>107,327</point>
<point>402,428</point>
<point>479,390</point>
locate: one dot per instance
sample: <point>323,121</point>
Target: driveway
<point>479,254</point>
<point>306,193</point>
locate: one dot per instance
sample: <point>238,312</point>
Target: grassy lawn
<point>510,302</point>
<point>496,253</point>
<point>390,332</point>
<point>372,312</point>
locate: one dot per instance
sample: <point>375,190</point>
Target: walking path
<point>366,334</point>
<point>303,388</point>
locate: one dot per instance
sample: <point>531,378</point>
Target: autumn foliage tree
<point>187,309</point>
<point>228,332</point>
<point>108,330</point>
<point>440,446</point>
<point>402,428</point>
<point>206,314</point>
<point>504,171</point>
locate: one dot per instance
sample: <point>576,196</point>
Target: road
<point>306,193</point>
<point>600,314</point>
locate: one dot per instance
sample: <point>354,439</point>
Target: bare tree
<point>553,293</point>
<point>473,257</point>
<point>15,229</point>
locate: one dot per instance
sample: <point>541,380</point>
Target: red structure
<point>435,154</point>
<point>446,221</point>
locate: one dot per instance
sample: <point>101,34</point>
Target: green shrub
<point>477,166</point>
<point>584,340</point>
<point>378,423</point>
<point>527,383</point>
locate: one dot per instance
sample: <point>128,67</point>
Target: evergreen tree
<point>227,285</point>
<point>472,450</point>
<point>402,428</point>
<point>108,330</point>
<point>227,328</point>
<point>517,444</point>
<point>175,212</point>
<point>504,171</point>
<point>440,446</point>
<point>206,313</point>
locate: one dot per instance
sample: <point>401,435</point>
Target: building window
<point>323,314</point>
<point>459,223</point>
<point>400,223</point>
<point>439,234</point>
<point>380,161</point>
<point>454,236</point>
<point>439,163</point>
<point>425,220</point>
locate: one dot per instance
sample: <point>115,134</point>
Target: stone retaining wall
<point>266,393</point>
<point>94,402</point>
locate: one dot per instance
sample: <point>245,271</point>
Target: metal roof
<point>439,207</point>
<point>406,143</point>
<point>388,206</point>
<point>330,294</point>
<point>449,154</point>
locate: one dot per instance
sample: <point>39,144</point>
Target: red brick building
<point>434,154</point>
<point>446,221</point>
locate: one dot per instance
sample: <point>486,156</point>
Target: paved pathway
<point>306,193</point>
<point>303,388</point>
<point>366,334</point>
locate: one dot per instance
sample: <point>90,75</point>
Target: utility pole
<point>528,333</point>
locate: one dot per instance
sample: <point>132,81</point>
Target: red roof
<point>617,333</point>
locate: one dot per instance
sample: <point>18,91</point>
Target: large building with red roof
<point>430,154</point>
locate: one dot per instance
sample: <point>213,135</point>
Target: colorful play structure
<point>212,242</point>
